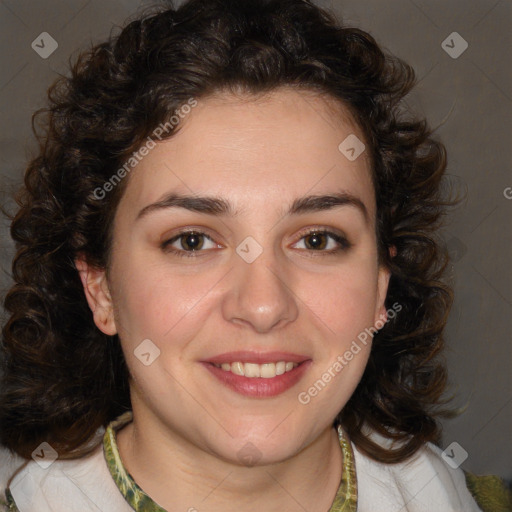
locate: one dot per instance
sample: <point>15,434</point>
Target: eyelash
<point>343,243</point>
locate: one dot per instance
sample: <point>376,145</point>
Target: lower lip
<point>258,386</point>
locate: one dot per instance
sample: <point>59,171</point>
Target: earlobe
<point>97,293</point>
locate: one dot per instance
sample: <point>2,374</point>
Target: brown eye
<point>322,241</point>
<point>191,241</point>
<point>316,241</point>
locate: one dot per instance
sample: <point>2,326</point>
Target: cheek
<point>344,300</point>
<point>152,301</point>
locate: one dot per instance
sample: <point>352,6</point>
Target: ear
<point>382,290</point>
<point>98,296</point>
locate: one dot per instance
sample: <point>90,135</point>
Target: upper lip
<point>247,356</point>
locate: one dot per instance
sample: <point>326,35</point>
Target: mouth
<point>258,374</point>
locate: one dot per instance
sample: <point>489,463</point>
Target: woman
<point>228,289</point>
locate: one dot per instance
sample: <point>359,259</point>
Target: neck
<point>178,475</point>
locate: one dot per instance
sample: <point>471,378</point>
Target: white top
<point>425,483</point>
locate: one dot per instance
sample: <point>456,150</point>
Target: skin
<point>259,154</point>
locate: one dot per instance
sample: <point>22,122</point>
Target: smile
<point>252,370</point>
<point>258,380</point>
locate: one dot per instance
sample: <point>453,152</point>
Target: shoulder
<point>423,483</point>
<point>80,485</point>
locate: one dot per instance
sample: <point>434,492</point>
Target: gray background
<point>468,99</point>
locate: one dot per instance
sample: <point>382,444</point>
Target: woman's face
<point>248,237</point>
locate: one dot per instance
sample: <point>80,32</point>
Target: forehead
<point>263,150</point>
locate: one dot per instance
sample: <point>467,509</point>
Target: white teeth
<point>280,368</point>
<point>252,370</point>
<point>268,370</point>
<point>237,368</point>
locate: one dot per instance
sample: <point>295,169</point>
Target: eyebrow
<point>219,206</point>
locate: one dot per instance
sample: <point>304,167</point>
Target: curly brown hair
<point>62,378</point>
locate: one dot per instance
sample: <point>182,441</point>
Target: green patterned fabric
<point>346,497</point>
<point>489,492</point>
<point>345,500</point>
<point>11,506</point>
<point>132,493</point>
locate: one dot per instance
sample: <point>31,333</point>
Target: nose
<point>259,295</point>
